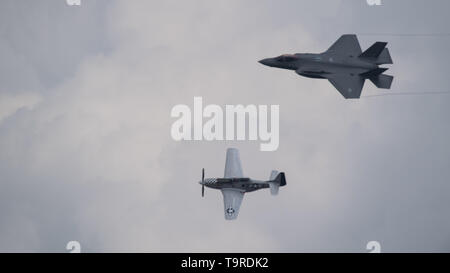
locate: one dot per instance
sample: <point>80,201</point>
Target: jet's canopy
<point>286,58</point>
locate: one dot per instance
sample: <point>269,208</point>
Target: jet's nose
<point>266,61</point>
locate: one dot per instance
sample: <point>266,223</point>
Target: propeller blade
<point>203,181</point>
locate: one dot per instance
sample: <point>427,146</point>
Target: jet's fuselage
<point>318,65</point>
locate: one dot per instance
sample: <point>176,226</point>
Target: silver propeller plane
<point>234,184</point>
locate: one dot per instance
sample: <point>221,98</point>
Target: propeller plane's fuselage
<point>243,184</point>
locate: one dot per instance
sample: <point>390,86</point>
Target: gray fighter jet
<point>234,185</point>
<point>343,64</point>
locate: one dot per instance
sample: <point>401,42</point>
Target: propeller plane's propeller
<point>203,182</point>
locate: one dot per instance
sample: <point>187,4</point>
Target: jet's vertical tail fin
<point>276,182</point>
<point>374,51</point>
<point>384,58</point>
<point>382,81</point>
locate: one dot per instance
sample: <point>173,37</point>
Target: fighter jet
<point>234,184</point>
<point>343,64</point>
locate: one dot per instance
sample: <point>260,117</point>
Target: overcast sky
<point>85,147</point>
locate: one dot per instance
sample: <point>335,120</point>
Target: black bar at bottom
<point>221,262</point>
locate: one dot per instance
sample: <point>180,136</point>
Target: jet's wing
<point>347,44</point>
<point>233,167</point>
<point>232,199</point>
<point>350,86</point>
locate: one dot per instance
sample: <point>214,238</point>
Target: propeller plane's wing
<point>232,199</point>
<point>233,168</point>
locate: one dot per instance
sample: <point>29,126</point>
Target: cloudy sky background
<point>86,152</point>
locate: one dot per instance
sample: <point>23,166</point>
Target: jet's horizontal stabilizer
<point>382,81</point>
<point>374,51</point>
<point>374,72</point>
